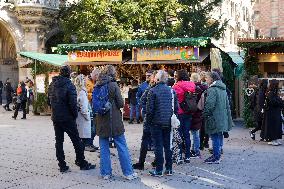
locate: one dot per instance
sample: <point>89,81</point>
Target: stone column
<point>36,22</point>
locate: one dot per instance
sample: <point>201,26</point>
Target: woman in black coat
<point>272,115</point>
<point>9,91</point>
<point>257,104</point>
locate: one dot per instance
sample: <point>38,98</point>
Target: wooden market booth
<point>134,58</point>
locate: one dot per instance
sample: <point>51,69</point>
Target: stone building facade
<point>268,18</point>
<point>239,14</point>
<point>25,25</point>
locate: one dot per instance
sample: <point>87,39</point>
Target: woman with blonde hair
<point>84,119</point>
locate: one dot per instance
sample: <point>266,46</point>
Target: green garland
<point>176,42</point>
<point>257,45</point>
<point>251,69</point>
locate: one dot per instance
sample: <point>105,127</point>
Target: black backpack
<point>189,105</point>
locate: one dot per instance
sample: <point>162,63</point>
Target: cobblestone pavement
<point>27,160</point>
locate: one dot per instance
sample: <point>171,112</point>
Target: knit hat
<point>215,76</point>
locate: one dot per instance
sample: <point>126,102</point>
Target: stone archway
<point>11,42</point>
<point>8,57</point>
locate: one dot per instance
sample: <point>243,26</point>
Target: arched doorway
<point>8,57</point>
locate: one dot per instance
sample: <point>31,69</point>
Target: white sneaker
<point>106,177</point>
<point>131,177</point>
<point>279,142</point>
<point>275,143</point>
<point>269,143</point>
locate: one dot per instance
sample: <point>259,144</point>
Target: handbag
<point>175,123</point>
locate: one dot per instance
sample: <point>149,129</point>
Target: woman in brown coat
<point>111,125</point>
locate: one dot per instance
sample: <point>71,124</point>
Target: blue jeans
<point>161,138</point>
<point>136,109</point>
<point>217,141</point>
<point>196,141</point>
<point>123,154</point>
<point>185,122</point>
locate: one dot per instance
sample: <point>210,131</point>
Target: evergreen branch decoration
<point>120,45</point>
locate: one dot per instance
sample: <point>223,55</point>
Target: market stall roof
<point>260,42</point>
<point>175,42</point>
<point>52,59</point>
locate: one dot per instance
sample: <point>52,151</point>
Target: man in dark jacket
<point>142,87</point>
<point>21,101</point>
<point>9,91</point>
<point>159,110</point>
<point>146,136</point>
<point>62,97</point>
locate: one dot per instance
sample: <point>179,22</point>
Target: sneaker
<point>131,177</point>
<point>154,173</point>
<point>194,155</point>
<point>86,166</point>
<point>138,166</point>
<point>212,160</point>
<point>252,135</point>
<point>95,147</point>
<point>275,143</point>
<point>187,160</point>
<point>279,142</point>
<point>90,149</point>
<point>130,121</point>
<point>106,177</point>
<point>14,117</point>
<point>168,172</point>
<point>138,122</point>
<point>179,162</point>
<point>64,169</point>
<point>23,118</point>
<point>210,150</point>
<point>269,143</point>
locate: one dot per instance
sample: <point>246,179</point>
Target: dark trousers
<point>161,139</point>
<point>23,106</point>
<point>204,138</point>
<point>146,141</point>
<point>258,126</point>
<point>71,130</point>
<point>1,98</point>
<point>185,123</point>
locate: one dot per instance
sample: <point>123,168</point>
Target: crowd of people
<point>267,106</point>
<point>20,97</point>
<point>172,105</point>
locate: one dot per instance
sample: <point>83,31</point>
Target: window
<point>256,34</point>
<point>244,14</point>
<point>256,15</point>
<point>273,32</point>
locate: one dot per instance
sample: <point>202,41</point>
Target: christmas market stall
<point>264,60</point>
<point>134,58</point>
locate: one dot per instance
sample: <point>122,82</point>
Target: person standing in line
<point>217,114</point>
<point>182,86</point>
<point>21,100</point>
<point>9,91</point>
<point>62,98</point>
<point>134,108</point>
<point>272,115</point>
<point>141,89</point>
<point>257,105</point>
<point>83,120</point>
<point>171,80</point>
<point>146,136</point>
<point>1,90</point>
<point>204,138</point>
<point>196,117</point>
<point>90,84</point>
<point>159,111</point>
<point>109,124</point>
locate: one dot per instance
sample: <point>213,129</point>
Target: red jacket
<point>180,88</point>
